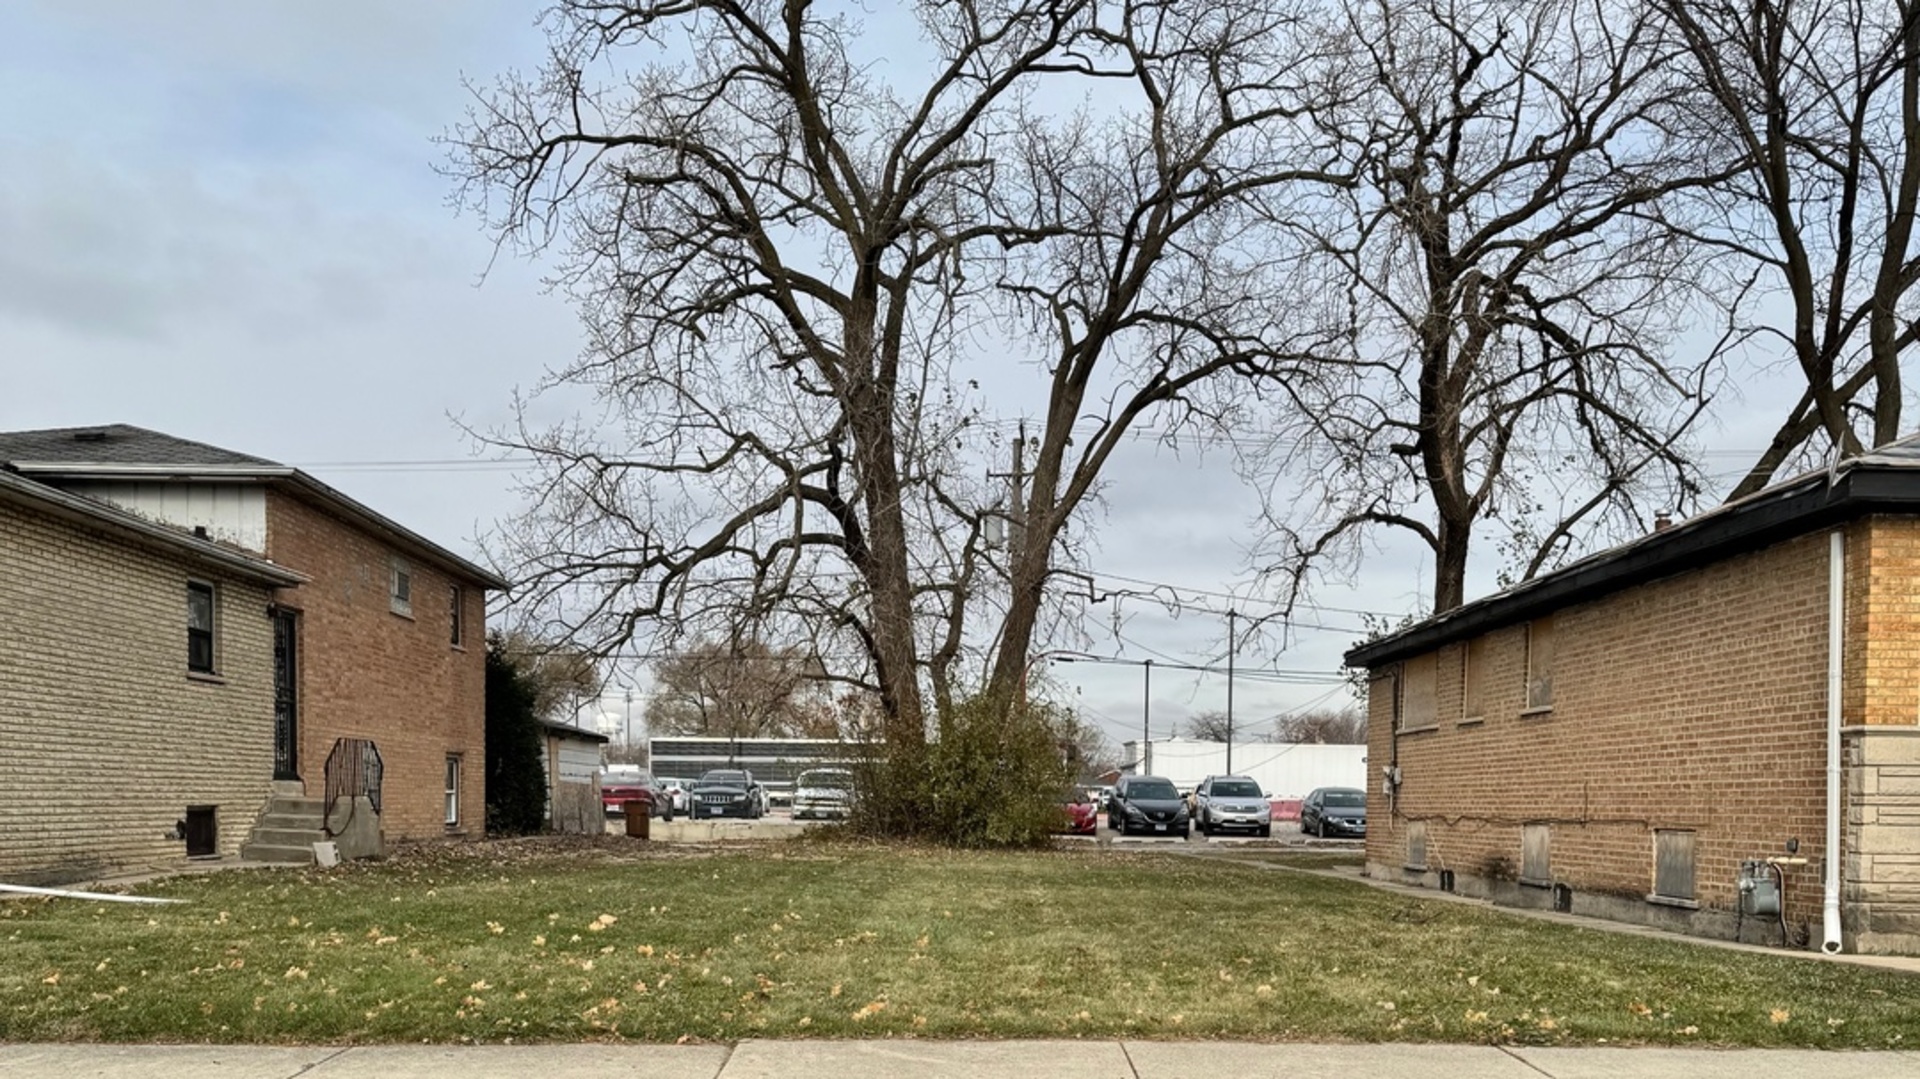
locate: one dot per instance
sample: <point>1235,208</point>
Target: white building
<point>1284,770</point>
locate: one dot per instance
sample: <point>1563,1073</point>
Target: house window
<point>1672,866</point>
<point>453,791</point>
<point>1421,708</point>
<point>1473,680</point>
<point>455,601</point>
<point>199,627</point>
<point>1536,854</point>
<point>1540,664</point>
<point>400,588</point>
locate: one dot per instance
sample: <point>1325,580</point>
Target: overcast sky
<point>220,219</point>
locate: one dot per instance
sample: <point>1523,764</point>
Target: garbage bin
<point>639,816</point>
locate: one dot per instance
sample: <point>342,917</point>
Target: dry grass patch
<point>607,940</point>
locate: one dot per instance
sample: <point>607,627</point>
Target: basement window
<point>1416,846</point>
<point>1673,867</point>
<point>1536,855</point>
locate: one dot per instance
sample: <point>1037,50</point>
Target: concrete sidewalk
<point>937,1060</point>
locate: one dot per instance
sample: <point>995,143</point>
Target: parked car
<point>1078,815</point>
<point>1334,811</point>
<point>729,792</point>
<point>1231,803</point>
<point>617,788</point>
<point>677,793</point>
<point>1148,804</point>
<point>823,794</point>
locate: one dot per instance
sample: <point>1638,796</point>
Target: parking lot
<point>779,824</point>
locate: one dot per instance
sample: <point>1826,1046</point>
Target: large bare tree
<point>800,234</point>
<point>1818,104</point>
<point>1511,284</point>
<point>744,689</point>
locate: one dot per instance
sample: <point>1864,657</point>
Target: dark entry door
<point>286,707</point>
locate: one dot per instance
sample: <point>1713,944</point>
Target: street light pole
<point>629,738</point>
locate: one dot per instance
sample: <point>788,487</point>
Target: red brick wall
<point>1695,702</point>
<point>366,672</point>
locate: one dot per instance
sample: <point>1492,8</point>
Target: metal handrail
<point>354,771</point>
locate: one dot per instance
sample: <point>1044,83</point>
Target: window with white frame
<point>1540,664</point>
<point>400,587</point>
<point>453,790</point>
<point>200,627</point>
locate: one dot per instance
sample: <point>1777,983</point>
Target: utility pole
<point>1146,710</point>
<point>1231,614</point>
<point>629,738</point>
<point>1017,514</point>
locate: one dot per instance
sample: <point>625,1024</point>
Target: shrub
<point>993,778</point>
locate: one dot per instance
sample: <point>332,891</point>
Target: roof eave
<point>274,474</point>
<point>87,512</point>
<point>1805,504</point>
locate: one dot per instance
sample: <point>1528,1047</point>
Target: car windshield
<point>827,778</point>
<point>736,779</point>
<point>1236,788</point>
<point>1152,788</point>
<point>1346,799</point>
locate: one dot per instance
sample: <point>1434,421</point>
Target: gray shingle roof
<point>119,444</point>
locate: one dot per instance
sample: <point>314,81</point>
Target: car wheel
<point>1266,831</point>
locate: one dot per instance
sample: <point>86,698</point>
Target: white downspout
<point>1836,617</point>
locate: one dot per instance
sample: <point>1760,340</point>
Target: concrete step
<point>275,819</point>
<point>288,837</point>
<point>282,804</point>
<point>269,852</point>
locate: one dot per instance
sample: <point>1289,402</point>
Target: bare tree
<point>1818,103</point>
<point>1212,727</point>
<point>785,229</point>
<point>560,675</point>
<point>1511,287</point>
<point>741,690</point>
<point>1324,726</point>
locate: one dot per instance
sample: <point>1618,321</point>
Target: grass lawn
<point>606,940</point>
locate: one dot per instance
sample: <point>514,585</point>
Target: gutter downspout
<point>1836,614</point>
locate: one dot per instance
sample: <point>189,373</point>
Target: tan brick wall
<point>1695,702</point>
<point>104,738</point>
<point>366,672</point>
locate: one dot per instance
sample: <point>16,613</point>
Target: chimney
<point>1662,522</point>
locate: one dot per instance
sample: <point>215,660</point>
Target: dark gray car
<point>728,792</point>
<point>1334,811</point>
<point>1149,805</point>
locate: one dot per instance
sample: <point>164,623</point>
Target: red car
<point>619,788</point>
<point>1079,816</point>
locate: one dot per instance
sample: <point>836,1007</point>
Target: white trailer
<point>1284,770</point>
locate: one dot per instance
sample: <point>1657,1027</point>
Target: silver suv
<point>1232,803</point>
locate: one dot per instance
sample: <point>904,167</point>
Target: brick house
<point>136,688</point>
<point>1732,697</point>
<point>379,656</point>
